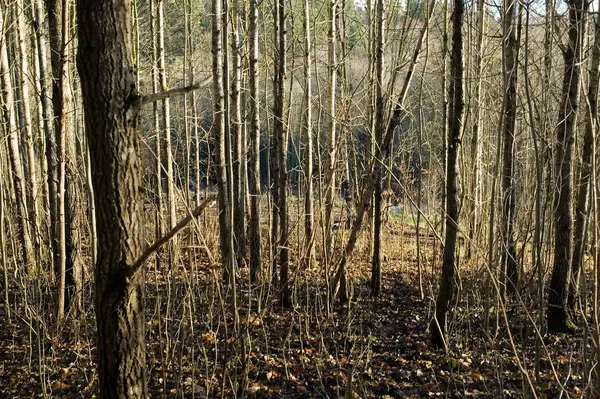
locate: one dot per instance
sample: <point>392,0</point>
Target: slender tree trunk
<point>558,314</point>
<point>280,151</point>
<point>379,127</point>
<point>107,72</point>
<point>509,274</point>
<point>48,127</point>
<point>477,129</point>
<point>219,128</point>
<point>236,135</point>
<point>254,175</point>
<point>455,95</point>
<point>27,127</point>
<point>308,140</point>
<point>330,159</point>
<point>583,185</point>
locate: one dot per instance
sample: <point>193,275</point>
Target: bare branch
<point>164,239</point>
<point>162,95</point>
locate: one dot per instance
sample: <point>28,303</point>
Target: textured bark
<point>47,125</point>
<point>219,128</point>
<point>280,152</point>
<point>330,158</point>
<point>106,68</point>
<point>455,95</point>
<point>308,140</point>
<point>510,269</point>
<point>559,318</point>
<point>237,133</point>
<point>379,127</point>
<point>583,184</point>
<point>27,127</point>
<point>254,173</point>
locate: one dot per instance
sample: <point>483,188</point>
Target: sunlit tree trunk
<point>455,95</point>
<point>254,173</point>
<point>308,139</point>
<point>379,128</point>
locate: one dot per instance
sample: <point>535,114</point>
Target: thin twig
<point>164,239</point>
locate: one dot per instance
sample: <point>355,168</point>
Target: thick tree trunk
<point>559,318</point>
<point>447,282</point>
<point>106,68</point>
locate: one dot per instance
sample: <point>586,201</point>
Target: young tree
<point>590,116</point>
<point>280,150</point>
<point>455,95</point>
<point>559,318</point>
<point>308,139</point>
<point>254,172</point>
<point>510,269</point>
<point>379,127</point>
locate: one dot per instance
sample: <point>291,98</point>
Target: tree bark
<point>379,127</point>
<point>106,68</point>
<point>509,274</point>
<point>559,318</point>
<point>455,95</point>
<point>254,173</point>
<point>583,185</point>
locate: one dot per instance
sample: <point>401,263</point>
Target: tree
<point>590,117</point>
<point>254,172</point>
<point>379,127</point>
<point>510,270</point>
<point>110,98</point>
<point>559,318</point>
<point>455,95</point>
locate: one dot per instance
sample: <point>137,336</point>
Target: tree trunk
<point>583,185</point>
<point>308,141</point>
<point>455,95</point>
<point>254,174</point>
<point>509,274</point>
<point>379,127</point>
<point>280,152</point>
<point>106,68</point>
<point>27,128</point>
<point>237,130</point>
<point>219,128</point>
<point>559,318</point>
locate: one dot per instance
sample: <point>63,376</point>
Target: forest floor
<point>369,348</point>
